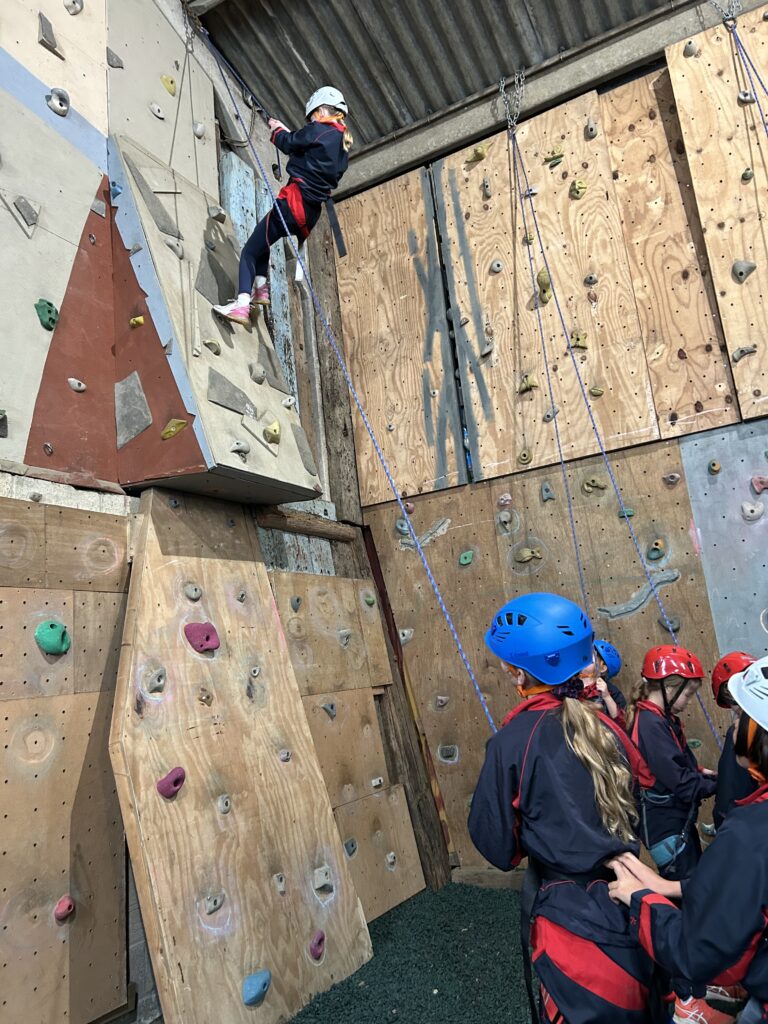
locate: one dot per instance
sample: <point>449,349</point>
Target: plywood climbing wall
<point>396,340</point>
<point>240,871</point>
<point>522,542</point>
<point>62,838</point>
<point>707,79</point>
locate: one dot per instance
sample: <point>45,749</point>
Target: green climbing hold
<point>47,314</point>
<point>465,558</point>
<point>626,513</point>
<point>596,392</point>
<point>545,286</point>
<point>656,550</point>
<point>555,157</point>
<point>578,188</point>
<point>694,744</point>
<point>52,637</point>
<point>369,599</point>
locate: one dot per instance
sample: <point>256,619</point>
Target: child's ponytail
<point>639,691</point>
<point>325,114</point>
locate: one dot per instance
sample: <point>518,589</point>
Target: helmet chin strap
<point>669,705</point>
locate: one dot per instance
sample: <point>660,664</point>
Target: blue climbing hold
<point>114,189</point>
<point>255,988</point>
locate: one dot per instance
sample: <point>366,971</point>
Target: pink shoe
<point>235,312</point>
<point>260,296</point>
<point>697,1011</point>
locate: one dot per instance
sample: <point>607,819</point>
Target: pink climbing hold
<point>202,636</point>
<point>410,508</point>
<point>759,484</point>
<point>317,945</point>
<point>171,783</point>
<point>65,908</point>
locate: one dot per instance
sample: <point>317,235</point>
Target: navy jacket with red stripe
<point>317,158</point>
<point>719,935</point>
<point>733,782</point>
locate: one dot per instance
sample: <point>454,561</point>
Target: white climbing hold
<point>391,860</point>
<point>752,510</point>
<point>258,373</point>
<point>75,384</point>
<point>591,129</point>
<point>113,60</point>
<point>217,213</point>
<point>198,129</point>
<point>240,448</point>
<point>74,6</point>
<point>377,783</point>
<point>746,97</point>
<point>689,50</point>
<point>289,402</point>
<point>175,246</point>
<point>157,110</point>
<point>58,101</point>
<point>405,635</point>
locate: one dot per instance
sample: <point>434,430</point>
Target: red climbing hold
<point>65,908</point>
<point>759,484</point>
<point>202,636</point>
<point>317,946</point>
<point>171,783</point>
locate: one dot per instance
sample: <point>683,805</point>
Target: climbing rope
<point>528,194</point>
<point>221,63</point>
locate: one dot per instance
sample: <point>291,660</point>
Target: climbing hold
<point>76,385</point>
<point>322,882</point>
<point>759,484</point>
<point>752,510</point>
<point>590,132</point>
<point>465,558</point>
<point>317,945</point>
<point>524,555</point>
<point>205,696</point>
<point>524,457</point>
<point>284,755</point>
<point>441,701</point>
<point>547,494</point>
<point>74,6</point>
<point>156,682</point>
<point>694,744</point>
<point>590,280</point>
<point>48,448</point>
<point>626,512</point>
<point>113,60</point>
<point>241,448</point>
<point>448,753</point>
<point>116,190</point>
<point>213,346</point>
<point>224,804</point>
<point>35,495</point>
<point>289,402</point>
<point>671,626</point>
<point>213,903</point>
<point>27,211</point>
<point>329,708</point>
<point>741,269</point>
<point>390,427</point>
<point>593,483</point>
<point>544,284</point>
<point>257,372</point>
<point>46,37</point>
<point>350,847</point>
<point>401,525</point>
<point>255,671</point>
<point>272,432</point>
<point>504,518</point>
<point>344,635</point>
<point>136,321</point>
<point>3,423</point>
<point>554,157</point>
<point>746,97</point>
<point>279,880</point>
<point>52,637</point>
<point>174,503</point>
<point>578,339</point>
<point>714,467</point>
<point>175,246</point>
<point>486,348</point>
<point>528,239</point>
<point>504,499</point>
<point>747,174</point>
<point>172,428</point>
<point>743,350</point>
<point>656,550</point>
<point>496,267</point>
<point>171,783</point>
<point>478,153</point>
<point>578,188</point>
<point>255,987</point>
<point>671,479</point>
<point>528,383</point>
<point>64,908</point>
<point>550,414</point>
<point>58,101</point>
<point>369,599</point>
<point>596,392</point>
<point>217,213</point>
<point>391,860</point>
<point>240,597</point>
<point>157,110</point>
<point>487,188</point>
<point>193,591</point>
<point>169,84</point>
<point>689,50</point>
<point>202,636</point>
<point>47,314</point>
<point>295,603</point>
<point>405,635</point>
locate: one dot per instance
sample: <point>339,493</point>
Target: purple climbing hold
<point>202,636</point>
<point>317,945</point>
<point>171,783</point>
<point>64,908</point>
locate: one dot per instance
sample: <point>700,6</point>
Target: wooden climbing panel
<point>396,340</point>
<point>62,834</point>
<point>488,266</point>
<point>726,147</point>
<point>242,869</point>
<point>690,374</point>
<point>522,542</point>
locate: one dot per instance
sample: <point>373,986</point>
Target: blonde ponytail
<point>640,691</point>
<point>325,114</point>
<point>597,749</point>
<point>348,141</point>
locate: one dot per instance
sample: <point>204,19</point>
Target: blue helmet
<point>546,635</point>
<point>610,656</point>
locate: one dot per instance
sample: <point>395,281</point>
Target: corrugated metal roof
<point>400,61</point>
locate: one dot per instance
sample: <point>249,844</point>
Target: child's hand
<point>601,685</point>
<point>274,124</point>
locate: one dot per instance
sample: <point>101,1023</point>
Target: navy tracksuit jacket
<point>535,797</point>
<point>720,934</point>
<point>680,786</point>
<point>733,782</point>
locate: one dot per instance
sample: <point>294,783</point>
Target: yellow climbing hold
<point>478,153</point>
<point>596,392</point>
<point>555,157</point>
<point>545,286</point>
<point>578,339</point>
<point>136,321</point>
<point>169,83</point>
<point>578,188</point>
<point>272,432</point>
<point>524,555</point>
<point>172,428</point>
<point>528,383</point>
<point>213,346</point>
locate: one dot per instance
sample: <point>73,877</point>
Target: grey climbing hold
<point>99,207</point>
<point>743,350</point>
<point>74,6</point>
<point>504,519</point>
<point>747,174</point>
<point>496,267</point>
<point>295,603</point>
<point>58,101</point>
<point>344,635</point>
<point>132,415</point>
<point>3,423</point>
<point>448,753</point>
<point>330,708</point>
<point>442,701</point>
<point>36,496</point>
<point>213,346</point>
<point>284,755</point>
<point>689,50</point>
<point>322,880</point>
<point>671,479</point>
<point>547,494</point>
<point>401,526</point>
<point>157,110</point>
<point>241,448</point>
<point>27,211</point>
<point>257,373</point>
<point>193,591</point>
<point>405,635</point>
<point>221,391</point>
<point>217,213</point>
<point>377,783</point>
<point>240,597</point>
<point>279,880</point>
<point>671,626</point>
<point>113,60</point>
<point>752,510</point>
<point>350,847</point>
<point>157,211</point>
<point>487,348</point>
<point>46,37</point>
<point>224,803</point>
<point>487,188</point>
<point>198,129</point>
<point>214,903</point>
<point>590,280</point>
<point>391,860</point>
<point>741,269</point>
<point>172,502</point>
<point>640,598</point>
<point>289,402</point>
<point>305,452</point>
<point>156,682</point>
<point>550,414</point>
<point>76,385</point>
<point>212,281</point>
<point>746,97</point>
<point>590,131</point>
<point>268,359</point>
<point>504,499</point>
<point>175,246</point>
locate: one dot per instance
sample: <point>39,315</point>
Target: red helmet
<point>729,664</point>
<point>670,660</point>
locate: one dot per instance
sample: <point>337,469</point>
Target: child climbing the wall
<point>557,786</point>
<point>734,782</point>
<point>317,159</point>
<point>597,682</point>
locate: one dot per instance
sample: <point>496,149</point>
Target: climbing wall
<point>238,865</point>
<point>396,338</point>
<point>337,648</point>
<point>506,537</point>
<point>718,114</point>
<point>230,392</point>
<point>63,573</point>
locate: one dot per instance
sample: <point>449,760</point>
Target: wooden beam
<point>291,521</point>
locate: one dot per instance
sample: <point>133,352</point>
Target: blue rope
<point>596,431</point>
<point>337,352</point>
<point>746,62</point>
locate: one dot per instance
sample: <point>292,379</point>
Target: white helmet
<point>750,691</point>
<point>327,96</point>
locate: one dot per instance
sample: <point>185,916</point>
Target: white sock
<point>243,299</point>
<point>259,282</point>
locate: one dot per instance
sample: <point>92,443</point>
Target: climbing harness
<point>221,63</point>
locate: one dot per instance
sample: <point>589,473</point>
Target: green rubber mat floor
<point>451,957</point>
